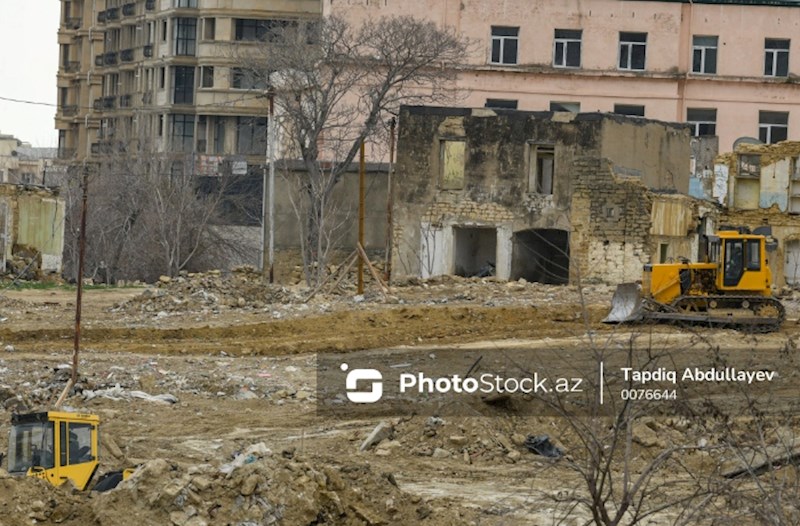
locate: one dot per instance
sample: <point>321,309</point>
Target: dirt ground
<point>244,443</point>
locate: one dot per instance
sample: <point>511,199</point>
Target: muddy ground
<point>245,444</point>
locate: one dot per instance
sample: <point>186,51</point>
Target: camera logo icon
<point>368,396</point>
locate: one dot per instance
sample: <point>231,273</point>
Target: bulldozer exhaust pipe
<point>626,304</point>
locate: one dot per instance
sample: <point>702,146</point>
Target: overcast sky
<point>28,67</point>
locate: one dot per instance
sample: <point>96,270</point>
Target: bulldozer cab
<point>54,446</point>
<point>743,264</point>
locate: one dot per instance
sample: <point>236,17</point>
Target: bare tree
<point>333,84</point>
<point>150,213</point>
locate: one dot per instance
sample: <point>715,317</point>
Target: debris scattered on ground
<point>541,445</point>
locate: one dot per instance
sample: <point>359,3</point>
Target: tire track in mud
<point>338,331</point>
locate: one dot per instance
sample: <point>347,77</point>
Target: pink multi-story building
<point>728,67</point>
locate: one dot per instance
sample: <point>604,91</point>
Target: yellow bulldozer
<point>731,288</point>
<point>58,446</point>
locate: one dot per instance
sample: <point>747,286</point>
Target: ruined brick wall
<point>610,224</point>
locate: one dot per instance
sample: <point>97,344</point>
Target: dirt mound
<point>270,490</point>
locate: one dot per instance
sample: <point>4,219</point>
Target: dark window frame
<point>505,46</point>
<point>567,48</point>
<point>632,51</point>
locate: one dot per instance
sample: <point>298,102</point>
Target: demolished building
<point>545,196</point>
<point>759,184</point>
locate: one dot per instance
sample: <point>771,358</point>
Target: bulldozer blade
<point>626,304</point>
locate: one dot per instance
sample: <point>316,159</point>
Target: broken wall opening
<point>475,251</point>
<point>541,255</point>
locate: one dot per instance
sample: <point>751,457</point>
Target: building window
<point>540,169</point>
<point>183,92</point>
<point>185,36</point>
<point>631,110</point>
<point>207,77</point>
<point>573,107</point>
<point>219,134</point>
<point>702,120</point>
<point>164,30</point>
<point>162,77</point>
<point>185,3</point>
<point>264,30</point>
<point>773,126</point>
<point>505,41</point>
<point>632,50</point>
<point>251,135</point>
<point>704,55</point>
<point>242,78</point>
<point>750,166</point>
<point>502,104</point>
<point>567,48</point>
<point>209,28</point>
<point>183,133</point>
<point>776,58</point>
<point>451,163</point>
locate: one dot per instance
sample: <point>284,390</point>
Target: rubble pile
<point>272,489</point>
<point>210,291</point>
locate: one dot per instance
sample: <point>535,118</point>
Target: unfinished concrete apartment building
<point>726,67</point>
<point>163,71</point>
<point>549,197</point>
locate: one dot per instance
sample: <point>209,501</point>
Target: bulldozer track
<point>700,310</point>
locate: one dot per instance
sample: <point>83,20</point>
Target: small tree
<point>333,84</point>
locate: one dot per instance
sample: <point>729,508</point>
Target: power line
<point>33,102</point>
<point>242,98</point>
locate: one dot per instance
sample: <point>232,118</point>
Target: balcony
<point>129,9</point>
<point>104,103</point>
<point>126,55</point>
<point>125,101</point>
<point>110,58</point>
<point>73,66</point>
<point>112,13</point>
<point>69,110</point>
<point>147,50</point>
<point>150,5</point>
<point>72,23</point>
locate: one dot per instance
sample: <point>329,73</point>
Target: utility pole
<point>268,200</point>
<point>389,204</point>
<point>79,295</point>
<point>362,175</point>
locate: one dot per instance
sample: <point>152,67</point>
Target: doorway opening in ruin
<point>541,255</point>
<point>475,250</point>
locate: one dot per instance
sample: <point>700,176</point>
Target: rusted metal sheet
<point>41,225</point>
<point>671,217</point>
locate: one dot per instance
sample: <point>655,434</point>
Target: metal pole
<point>81,257</point>
<point>361,198</point>
<point>262,256</point>
<point>389,204</point>
<point>271,149</point>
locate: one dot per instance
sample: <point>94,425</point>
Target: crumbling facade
<point>549,197</point>
<point>760,186</point>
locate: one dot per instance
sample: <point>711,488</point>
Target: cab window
<point>753,254</point>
